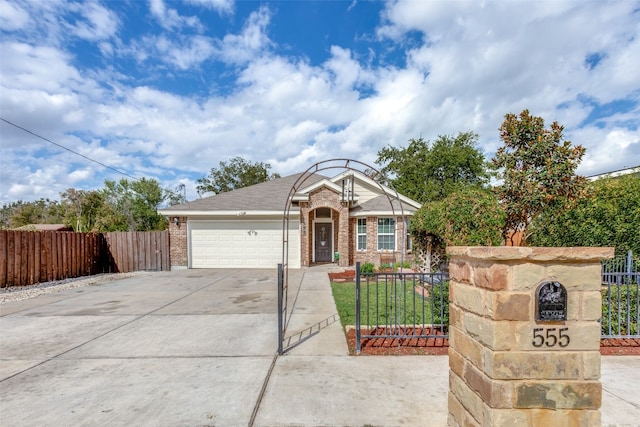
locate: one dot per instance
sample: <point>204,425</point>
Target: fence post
<point>515,310</point>
<point>280,315</point>
<point>358,332</point>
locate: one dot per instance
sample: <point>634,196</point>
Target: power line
<point>68,149</point>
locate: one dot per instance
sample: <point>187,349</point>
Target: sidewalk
<point>318,384</point>
<point>197,348</point>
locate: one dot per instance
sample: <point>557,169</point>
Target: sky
<point>168,90</point>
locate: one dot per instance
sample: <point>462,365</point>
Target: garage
<point>241,243</point>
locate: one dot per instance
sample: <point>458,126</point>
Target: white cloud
<point>469,64</point>
<point>46,179</point>
<point>37,67</point>
<point>100,23</point>
<point>288,138</point>
<point>607,149</point>
<point>12,16</point>
<point>190,51</point>
<point>484,59</point>
<point>80,175</point>
<point>222,6</point>
<point>184,53</point>
<point>169,18</point>
<point>251,42</point>
<point>348,72</point>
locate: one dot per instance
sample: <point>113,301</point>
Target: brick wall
<point>507,368</point>
<point>326,198</point>
<point>178,242</point>
<point>372,254</point>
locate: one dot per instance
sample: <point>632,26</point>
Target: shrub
<point>468,217</point>
<point>384,266</point>
<point>405,264</point>
<point>440,295</point>
<point>620,305</point>
<point>367,268</point>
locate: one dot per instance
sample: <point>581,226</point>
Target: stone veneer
<point>497,377</point>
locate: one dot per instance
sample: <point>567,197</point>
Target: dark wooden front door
<point>323,232</point>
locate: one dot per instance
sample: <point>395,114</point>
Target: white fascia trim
<point>305,198</point>
<point>325,183</point>
<point>239,213</point>
<point>381,214</point>
<point>231,219</point>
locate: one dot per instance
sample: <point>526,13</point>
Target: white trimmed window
<point>386,234</point>
<point>407,225</point>
<point>361,234</point>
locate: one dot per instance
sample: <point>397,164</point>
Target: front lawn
<point>387,303</point>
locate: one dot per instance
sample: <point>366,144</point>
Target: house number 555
<point>550,337</point>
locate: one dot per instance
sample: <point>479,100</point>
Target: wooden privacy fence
<point>30,257</point>
<point>138,251</point>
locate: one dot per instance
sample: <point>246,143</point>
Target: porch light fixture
<point>176,221</point>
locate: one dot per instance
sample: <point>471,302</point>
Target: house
<point>45,227</point>
<point>344,219</point>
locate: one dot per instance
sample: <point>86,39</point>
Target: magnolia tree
<point>538,171</point>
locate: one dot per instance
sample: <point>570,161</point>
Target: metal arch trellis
<point>283,268</point>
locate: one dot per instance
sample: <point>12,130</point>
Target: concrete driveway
<point>197,348</point>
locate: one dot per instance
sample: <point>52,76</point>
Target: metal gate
<point>404,307</point>
<point>284,310</point>
<point>620,297</point>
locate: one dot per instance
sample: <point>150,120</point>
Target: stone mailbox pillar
<point>524,336</point>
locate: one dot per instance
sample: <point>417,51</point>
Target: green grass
<point>389,305</point>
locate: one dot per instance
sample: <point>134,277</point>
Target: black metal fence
<point>413,306</point>
<point>620,297</point>
<point>406,307</point>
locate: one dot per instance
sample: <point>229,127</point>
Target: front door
<point>323,236</point>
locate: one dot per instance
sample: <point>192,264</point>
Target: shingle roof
<point>381,204</point>
<point>266,196</point>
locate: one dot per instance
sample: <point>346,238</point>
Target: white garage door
<point>242,244</point>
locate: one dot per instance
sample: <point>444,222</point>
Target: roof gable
<point>268,196</point>
<point>367,189</point>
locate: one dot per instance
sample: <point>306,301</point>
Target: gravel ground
<point>17,293</point>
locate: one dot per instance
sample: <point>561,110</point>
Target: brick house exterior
<point>243,228</point>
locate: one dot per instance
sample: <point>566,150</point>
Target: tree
<point>467,217</point>
<point>237,173</point>
<point>132,206</point>
<point>5,214</point>
<point>427,172</point>
<point>609,216</point>
<point>43,211</point>
<point>176,196</point>
<point>83,209</point>
<point>538,171</point>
